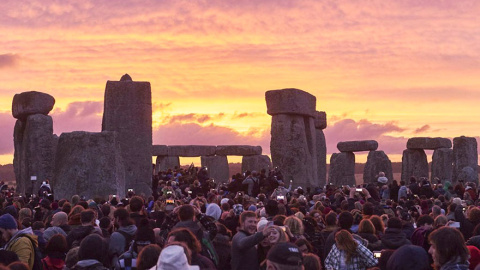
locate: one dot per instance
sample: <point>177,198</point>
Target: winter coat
<point>117,240</point>
<point>21,244</point>
<point>394,238</point>
<point>76,235</point>
<point>50,263</point>
<point>89,265</point>
<point>374,244</point>
<point>223,247</point>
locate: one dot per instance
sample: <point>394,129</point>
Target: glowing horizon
<point>383,70</point>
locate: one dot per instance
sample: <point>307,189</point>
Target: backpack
<point>37,255</point>
<point>420,237</point>
<point>128,240</point>
<point>208,250</point>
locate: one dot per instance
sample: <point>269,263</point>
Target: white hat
<point>173,258</point>
<point>261,224</point>
<point>224,200</point>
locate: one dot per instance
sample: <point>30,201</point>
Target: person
<point>284,256</point>
<point>184,235</point>
<point>347,253</point>
<point>409,257</point>
<point>311,262</point>
<point>174,256</point>
<point>91,254</point>
<point>448,249</point>
<point>21,242</point>
<point>147,258</point>
<point>244,253</point>
<point>381,178</point>
<point>87,218</point>
<point>394,237</point>
<point>55,250</point>
<point>121,239</point>
<point>402,191</point>
<point>60,219</point>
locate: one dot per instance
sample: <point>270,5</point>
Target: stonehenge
<point>465,159</point>
<point>128,111</point>
<point>320,125</point>
<point>212,157</point>
<point>34,142</point>
<point>89,164</point>
<point>293,144</point>
<point>377,161</point>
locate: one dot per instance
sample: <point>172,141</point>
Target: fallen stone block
<point>428,143</point>
<point>357,146</point>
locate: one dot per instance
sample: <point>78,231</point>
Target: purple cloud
<point>9,60</point>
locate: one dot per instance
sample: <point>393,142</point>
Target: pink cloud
<point>7,124</point>
<point>78,116</point>
<point>9,60</point>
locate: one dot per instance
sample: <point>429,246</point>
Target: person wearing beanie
<point>21,242</point>
<point>174,257</point>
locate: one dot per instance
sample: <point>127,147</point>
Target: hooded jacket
<point>21,244</point>
<point>117,240</point>
<point>89,265</point>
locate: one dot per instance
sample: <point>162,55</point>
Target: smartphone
<point>240,194</point>
<point>454,225</point>
<point>130,190</point>
<point>170,201</point>
<point>358,190</point>
<point>114,196</point>
<point>189,192</point>
<point>280,198</point>
<point>377,254</point>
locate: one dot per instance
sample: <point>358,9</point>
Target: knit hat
<point>7,222</point>
<point>92,247</point>
<point>408,257</point>
<point>286,254</point>
<point>51,231</point>
<point>173,258</point>
<point>261,224</point>
<point>12,210</point>
<point>238,209</point>
<point>252,208</point>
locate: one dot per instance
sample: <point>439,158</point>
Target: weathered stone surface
<point>191,150</point>
<point>29,103</point>
<point>428,143</point>
<point>293,148</point>
<point>357,146</point>
<point>217,168</point>
<point>238,150</point>
<point>342,169</point>
<point>256,163</point>
<point>321,157</point>
<point>89,164</point>
<point>290,101</point>
<point>17,156</point>
<point>442,164</point>
<point>128,111</point>
<point>468,174</point>
<point>159,150</point>
<point>320,120</point>
<point>377,161</point>
<point>414,163</point>
<point>164,163</point>
<point>465,154</point>
<point>37,153</point>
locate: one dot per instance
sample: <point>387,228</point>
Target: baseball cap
<point>285,253</point>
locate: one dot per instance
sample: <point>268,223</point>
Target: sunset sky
<point>383,70</point>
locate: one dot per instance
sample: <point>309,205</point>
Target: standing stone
<point>30,103</point>
<point>256,163</point>
<point>128,111</point>
<point>38,153</point>
<point>377,161</point>
<point>465,155</point>
<point>321,157</point>
<point>342,169</point>
<point>293,148</point>
<point>164,163</point>
<point>414,163</point>
<point>442,164</point>
<point>89,164</point>
<point>17,156</point>
<point>217,167</point>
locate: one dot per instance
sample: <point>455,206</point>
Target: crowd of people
<point>257,220</point>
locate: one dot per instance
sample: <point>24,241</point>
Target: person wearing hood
<point>91,255</point>
<point>213,210</point>
<point>21,242</point>
<point>394,237</point>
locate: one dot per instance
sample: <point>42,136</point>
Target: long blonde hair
<point>345,242</point>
